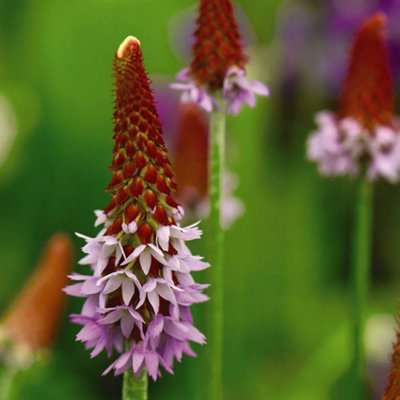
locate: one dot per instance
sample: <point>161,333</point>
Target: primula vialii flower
<point>219,62</point>
<point>30,323</point>
<point>191,169</point>
<point>363,137</point>
<point>140,290</point>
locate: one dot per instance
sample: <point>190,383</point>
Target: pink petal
<point>137,360</point>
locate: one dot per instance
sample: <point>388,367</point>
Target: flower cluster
<point>141,289</point>
<point>363,137</point>
<point>219,62</point>
<point>341,146</point>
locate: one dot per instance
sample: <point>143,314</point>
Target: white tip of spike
<point>125,44</point>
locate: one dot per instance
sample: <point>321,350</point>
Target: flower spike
<point>218,61</point>
<point>368,89</point>
<point>140,289</point>
<point>217,45</point>
<point>30,324</point>
<point>190,166</point>
<point>363,137</point>
<point>191,153</point>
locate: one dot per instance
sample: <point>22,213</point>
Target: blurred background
<point>287,316</point>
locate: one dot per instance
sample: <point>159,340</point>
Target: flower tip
<point>126,44</point>
<point>375,22</point>
<point>367,94</point>
<point>60,246</point>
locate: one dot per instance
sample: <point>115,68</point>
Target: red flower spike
<point>140,165</point>
<point>191,155</point>
<point>217,44</point>
<point>33,318</point>
<point>368,90</point>
<point>392,391</point>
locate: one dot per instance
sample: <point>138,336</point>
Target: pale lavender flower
<point>192,93</point>
<point>237,90</point>
<point>338,147</point>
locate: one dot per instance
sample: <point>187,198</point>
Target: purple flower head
<point>363,137</point>
<point>340,146</point>
<point>238,90</point>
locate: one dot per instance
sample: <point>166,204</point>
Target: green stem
<point>361,267</point>
<point>216,176</point>
<point>6,383</point>
<point>134,388</point>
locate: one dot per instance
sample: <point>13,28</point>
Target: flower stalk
<point>6,383</point>
<point>134,388</point>
<point>361,267</point>
<point>217,167</point>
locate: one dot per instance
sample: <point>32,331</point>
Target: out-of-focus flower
<point>317,33</point>
<point>190,166</point>
<point>219,62</point>
<point>141,289</point>
<point>183,24</point>
<point>363,134</point>
<point>31,321</point>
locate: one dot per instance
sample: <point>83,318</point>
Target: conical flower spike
<point>30,323</point>
<point>363,136</point>
<point>392,391</point>
<point>190,165</point>
<point>191,153</point>
<point>217,45</point>
<point>140,290</point>
<point>368,90</point>
<point>218,61</point>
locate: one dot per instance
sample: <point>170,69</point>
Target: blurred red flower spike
<point>367,94</point>
<point>191,153</point>
<point>33,317</point>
